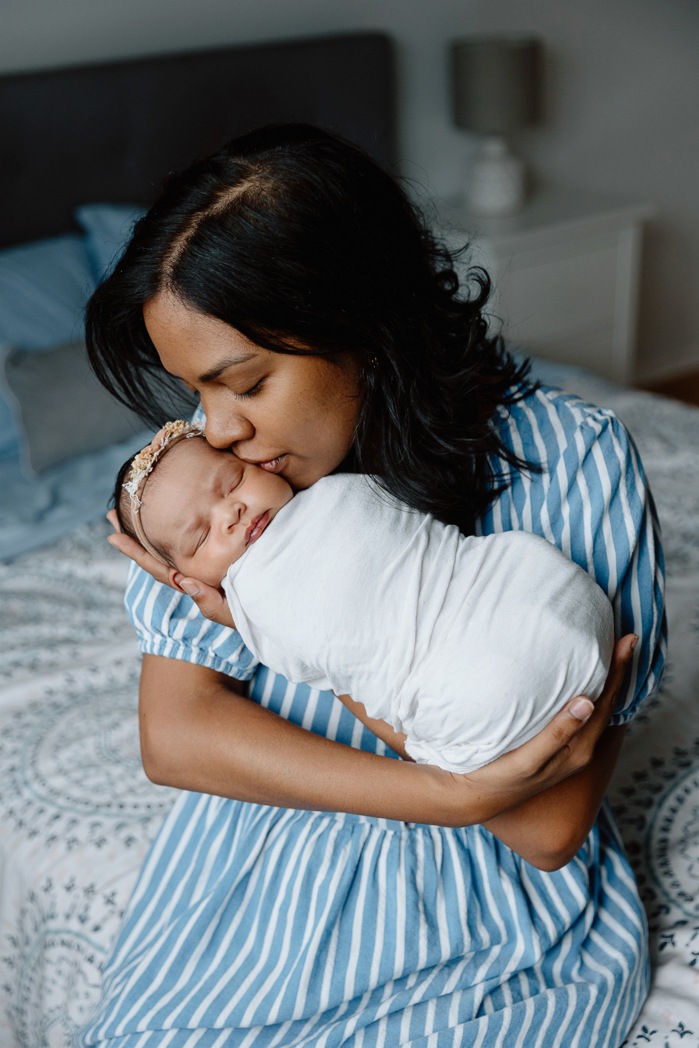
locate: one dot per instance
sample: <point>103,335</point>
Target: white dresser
<point>566,276</point>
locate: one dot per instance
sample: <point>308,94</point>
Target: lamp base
<point>497,185</point>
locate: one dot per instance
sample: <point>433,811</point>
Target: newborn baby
<point>468,645</point>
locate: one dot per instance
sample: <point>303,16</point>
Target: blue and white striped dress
<point>261,926</point>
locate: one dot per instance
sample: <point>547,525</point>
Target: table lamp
<point>495,82</point>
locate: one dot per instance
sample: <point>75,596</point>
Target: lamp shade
<point>495,82</point>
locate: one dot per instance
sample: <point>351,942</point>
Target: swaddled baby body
<point>468,645</point>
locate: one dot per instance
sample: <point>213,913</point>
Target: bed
<point>76,811</point>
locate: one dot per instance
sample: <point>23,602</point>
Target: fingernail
<point>190,588</point>
<point>634,642</point>
<point>582,709</point>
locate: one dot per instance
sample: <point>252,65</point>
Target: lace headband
<point>142,467</point>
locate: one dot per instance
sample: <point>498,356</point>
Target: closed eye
<point>228,483</point>
<point>250,392</point>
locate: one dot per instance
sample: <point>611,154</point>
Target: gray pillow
<point>62,410</point>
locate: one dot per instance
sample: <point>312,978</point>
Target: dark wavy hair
<point>297,238</point>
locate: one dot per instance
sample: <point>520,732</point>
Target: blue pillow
<point>62,409</point>
<point>107,228</point>
<point>44,286</point>
<point>9,435</point>
<point>43,290</point>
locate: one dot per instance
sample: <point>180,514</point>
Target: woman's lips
<point>256,528</point>
<point>273,465</point>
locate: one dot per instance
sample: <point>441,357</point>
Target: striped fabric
<point>261,926</point>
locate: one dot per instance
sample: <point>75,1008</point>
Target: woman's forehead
<point>191,345</point>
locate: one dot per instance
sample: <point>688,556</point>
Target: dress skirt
<point>262,926</point>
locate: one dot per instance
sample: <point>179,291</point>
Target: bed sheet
<point>655,791</point>
<point>77,813</point>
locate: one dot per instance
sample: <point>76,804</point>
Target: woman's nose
<point>225,428</point>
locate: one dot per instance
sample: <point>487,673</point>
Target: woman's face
<point>293,415</point>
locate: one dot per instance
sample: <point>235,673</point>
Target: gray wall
<point>622,101</point>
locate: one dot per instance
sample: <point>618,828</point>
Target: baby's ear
<point>173,577</point>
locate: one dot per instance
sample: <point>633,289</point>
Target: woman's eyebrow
<point>213,373</point>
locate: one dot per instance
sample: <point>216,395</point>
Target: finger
<point>538,759</point>
<point>567,742</point>
<point>552,746</point>
<point>581,708</point>
<point>581,719</point>
<point>621,656</point>
<point>114,520</point>
<point>211,602</point>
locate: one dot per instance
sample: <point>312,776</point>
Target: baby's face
<point>207,507</point>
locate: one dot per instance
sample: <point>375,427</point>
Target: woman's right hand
<point>211,602</point>
<point>564,747</point>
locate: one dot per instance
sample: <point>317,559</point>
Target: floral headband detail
<point>142,467</point>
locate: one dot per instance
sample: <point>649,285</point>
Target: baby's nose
<point>230,512</point>
<point>235,512</point>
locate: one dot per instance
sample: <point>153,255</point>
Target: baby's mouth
<point>256,528</point>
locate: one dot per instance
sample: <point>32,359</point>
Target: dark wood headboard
<point>110,133</point>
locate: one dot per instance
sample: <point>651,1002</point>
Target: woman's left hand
<point>211,602</point>
<point>562,749</point>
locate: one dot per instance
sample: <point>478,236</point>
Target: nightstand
<point>565,272</point>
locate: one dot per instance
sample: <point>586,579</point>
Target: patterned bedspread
<point>77,813</point>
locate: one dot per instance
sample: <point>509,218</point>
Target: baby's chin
<point>216,580</point>
<point>213,577</point>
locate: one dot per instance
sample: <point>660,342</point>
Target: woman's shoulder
<point>583,467</point>
<point>542,401</point>
<point>548,423</point>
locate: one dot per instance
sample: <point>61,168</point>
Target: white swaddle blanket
<point>469,645</point>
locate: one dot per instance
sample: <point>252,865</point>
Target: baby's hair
<point>121,501</point>
<point>133,476</point>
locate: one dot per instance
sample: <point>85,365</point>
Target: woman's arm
<point>199,734</point>
<point>550,828</point>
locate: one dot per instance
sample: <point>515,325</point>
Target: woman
<point>289,283</point>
